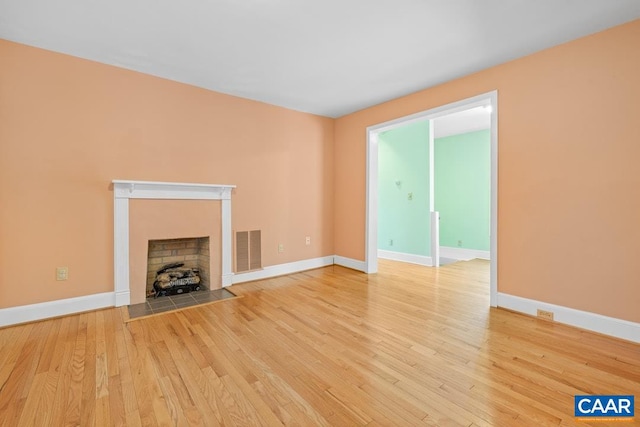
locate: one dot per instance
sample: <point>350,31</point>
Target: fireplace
<point>123,191</point>
<point>188,258</point>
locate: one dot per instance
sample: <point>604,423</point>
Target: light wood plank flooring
<point>409,346</point>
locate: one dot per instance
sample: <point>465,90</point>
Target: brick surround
<point>193,252</point>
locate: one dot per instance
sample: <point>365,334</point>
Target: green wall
<point>463,189</point>
<point>403,155</point>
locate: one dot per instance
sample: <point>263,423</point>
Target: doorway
<point>489,100</point>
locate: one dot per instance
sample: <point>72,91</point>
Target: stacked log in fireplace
<point>175,278</point>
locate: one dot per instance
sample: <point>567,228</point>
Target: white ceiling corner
<point>327,57</point>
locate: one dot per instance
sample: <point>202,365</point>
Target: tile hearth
<point>174,302</point>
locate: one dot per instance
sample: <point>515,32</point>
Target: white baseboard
<point>582,319</point>
<point>404,257</point>
<point>462,253</point>
<point>122,298</point>
<point>63,307</point>
<point>227,280</point>
<point>282,269</point>
<point>351,263</point>
<point>40,311</point>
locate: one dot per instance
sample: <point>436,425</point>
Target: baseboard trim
<point>45,310</point>
<point>463,253</point>
<point>353,264</point>
<point>227,280</point>
<point>41,311</point>
<point>582,319</point>
<point>122,298</point>
<point>405,257</point>
<point>282,269</point>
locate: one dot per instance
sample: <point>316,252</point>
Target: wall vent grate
<point>248,250</point>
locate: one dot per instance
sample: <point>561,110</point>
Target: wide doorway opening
<point>489,103</point>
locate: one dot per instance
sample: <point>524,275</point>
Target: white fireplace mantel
<point>125,190</point>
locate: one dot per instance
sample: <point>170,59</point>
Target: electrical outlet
<point>544,314</point>
<point>62,273</point>
<point>410,196</point>
<point>280,248</point>
<point>390,242</point>
<point>459,243</point>
<point>307,240</point>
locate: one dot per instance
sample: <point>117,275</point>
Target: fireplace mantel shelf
<point>123,190</point>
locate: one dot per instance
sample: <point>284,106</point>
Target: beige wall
<point>69,126</point>
<point>569,180</point>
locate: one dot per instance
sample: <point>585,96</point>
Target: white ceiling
<point>329,57</point>
<point>470,120</point>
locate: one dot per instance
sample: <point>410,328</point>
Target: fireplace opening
<point>176,266</point>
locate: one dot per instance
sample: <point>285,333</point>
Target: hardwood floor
<point>409,346</point>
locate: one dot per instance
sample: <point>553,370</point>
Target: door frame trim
<point>371,219</point>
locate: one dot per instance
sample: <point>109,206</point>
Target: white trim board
<point>298,266</point>
<point>405,257</point>
<point>45,310</point>
<point>463,253</point>
<point>283,269</point>
<point>582,319</point>
<point>124,190</point>
<point>63,307</point>
<point>371,200</point>
<point>350,263</point>
<point>590,321</point>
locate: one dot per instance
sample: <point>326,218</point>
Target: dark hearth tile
<point>220,294</point>
<point>206,297</point>
<point>200,293</point>
<point>172,302</point>
<point>181,298</point>
<point>160,302</point>
<point>186,303</point>
<point>164,309</point>
<point>139,310</point>
<point>227,294</point>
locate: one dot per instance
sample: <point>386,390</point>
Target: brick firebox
<point>193,252</point>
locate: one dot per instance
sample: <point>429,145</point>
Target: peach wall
<point>69,126</point>
<point>569,144</point>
